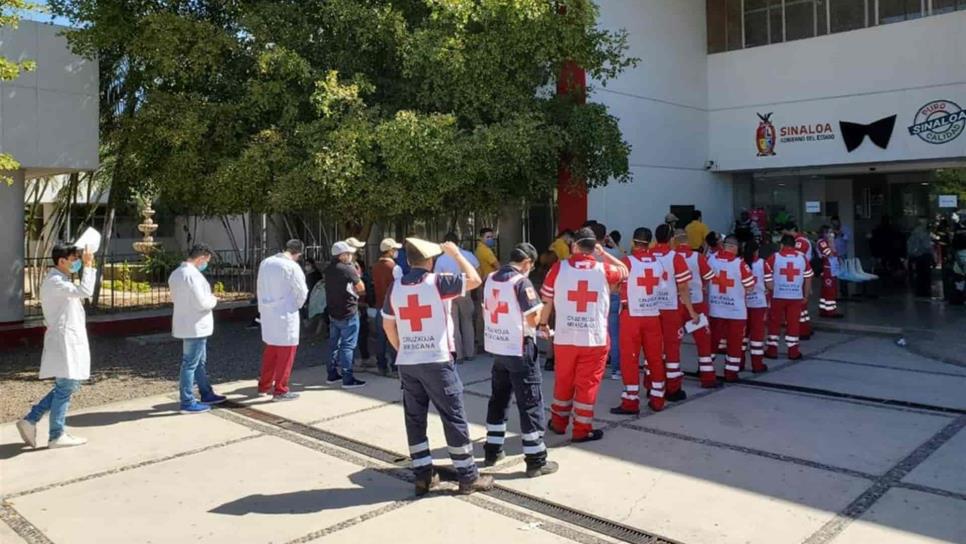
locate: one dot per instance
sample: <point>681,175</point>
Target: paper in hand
<point>690,327</point>
<point>90,239</point>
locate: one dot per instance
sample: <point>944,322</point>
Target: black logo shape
<point>880,132</point>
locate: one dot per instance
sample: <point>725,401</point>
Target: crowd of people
<point>595,303</point>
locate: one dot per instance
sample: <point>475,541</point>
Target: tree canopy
<point>369,109</point>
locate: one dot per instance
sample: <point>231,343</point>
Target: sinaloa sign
<point>939,122</point>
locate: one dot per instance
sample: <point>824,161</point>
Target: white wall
<point>859,76</point>
<point>662,107</point>
<point>48,117</point>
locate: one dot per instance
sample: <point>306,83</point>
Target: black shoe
<point>423,485</point>
<point>547,468</point>
<point>621,411</point>
<point>548,364</point>
<point>594,435</point>
<point>492,459</point>
<point>482,483</point>
<point>676,396</point>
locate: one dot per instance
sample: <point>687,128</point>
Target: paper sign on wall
<point>813,206</point>
<point>948,201</point>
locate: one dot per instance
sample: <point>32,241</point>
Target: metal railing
<point>132,282</point>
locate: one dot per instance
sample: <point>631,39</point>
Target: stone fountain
<point>147,245</point>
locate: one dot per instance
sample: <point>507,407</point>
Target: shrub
<point>218,288</point>
<point>128,285</point>
<point>160,263</point>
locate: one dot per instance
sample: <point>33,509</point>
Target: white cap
<point>339,248</point>
<point>389,244</point>
<point>355,242</point>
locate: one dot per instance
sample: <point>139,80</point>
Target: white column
<point>12,248</point>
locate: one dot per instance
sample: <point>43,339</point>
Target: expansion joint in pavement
<point>378,458</point>
<point>883,484</point>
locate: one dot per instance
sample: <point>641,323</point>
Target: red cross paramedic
<point>579,290</point>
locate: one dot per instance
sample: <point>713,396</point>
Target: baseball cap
<point>388,244</point>
<point>670,217</point>
<point>354,242</point>
<point>421,249</point>
<point>339,248</point>
<point>522,252</point>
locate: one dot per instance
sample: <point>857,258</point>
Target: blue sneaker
<point>213,399</point>
<point>195,408</point>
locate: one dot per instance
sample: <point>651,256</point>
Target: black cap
<point>522,252</point>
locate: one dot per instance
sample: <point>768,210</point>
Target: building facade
<point>805,109</point>
<point>49,123</point>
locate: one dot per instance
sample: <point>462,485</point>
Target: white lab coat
<point>193,303</point>
<point>281,292</point>
<point>66,351</point>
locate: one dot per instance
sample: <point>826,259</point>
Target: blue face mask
<point>491,242</point>
<point>202,267</point>
<point>75,266</point>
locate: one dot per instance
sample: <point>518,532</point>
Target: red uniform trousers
<point>671,324</point>
<point>276,369</point>
<point>805,321</point>
<point>828,299</point>
<point>636,333</point>
<point>702,341</point>
<point>717,336</point>
<point>732,331</point>
<point>756,337</point>
<point>578,371</point>
<point>788,312</point>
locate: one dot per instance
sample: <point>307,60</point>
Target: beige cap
<point>354,242</point>
<point>389,244</point>
<point>421,249</point>
<point>670,218</point>
<point>339,248</point>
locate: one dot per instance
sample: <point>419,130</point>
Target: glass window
<point>733,28</point>
<point>893,11</point>
<point>846,15</point>
<point>717,26</point>
<point>946,6</point>
<point>763,22</point>
<point>756,23</point>
<point>801,19</point>
<point>775,23</point>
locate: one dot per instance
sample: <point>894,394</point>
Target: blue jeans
<point>343,336</point>
<point>613,330</point>
<point>385,355</point>
<point>194,370</point>
<point>56,402</point>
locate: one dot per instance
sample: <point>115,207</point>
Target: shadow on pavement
<point>103,419</point>
<point>370,491</point>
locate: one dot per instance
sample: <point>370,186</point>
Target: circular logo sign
<point>939,122</point>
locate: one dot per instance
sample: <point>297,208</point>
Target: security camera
<point>709,165</point>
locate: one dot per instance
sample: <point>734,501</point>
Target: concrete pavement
<point>763,461</point>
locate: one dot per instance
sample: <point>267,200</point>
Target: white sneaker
<point>66,441</point>
<point>28,432</point>
<point>616,376</point>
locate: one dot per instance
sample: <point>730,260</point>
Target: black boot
<point>549,467</point>
<point>676,396</point>
<point>492,458</point>
<point>425,483</point>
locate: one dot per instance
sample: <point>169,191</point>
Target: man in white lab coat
<point>66,356</point>
<point>281,293</point>
<point>193,322</point>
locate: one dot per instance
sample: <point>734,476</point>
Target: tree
<point>10,69</point>
<point>364,109</point>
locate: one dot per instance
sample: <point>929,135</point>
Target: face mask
<point>75,266</point>
<point>202,267</point>
<point>491,242</point>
